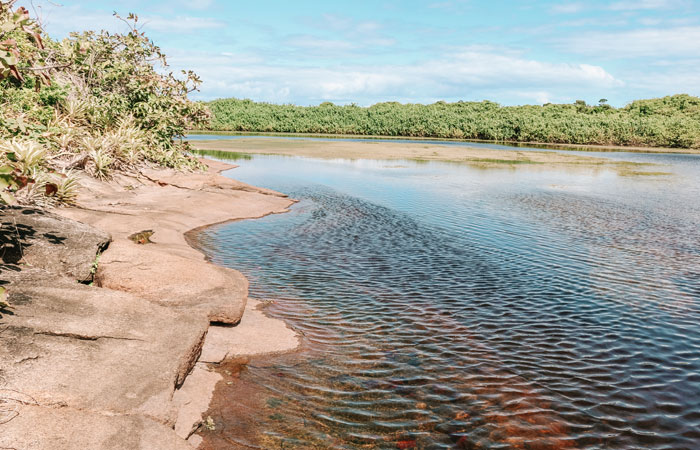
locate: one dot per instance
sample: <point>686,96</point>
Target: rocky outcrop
<point>167,270</point>
<point>95,349</point>
<point>81,366</point>
<point>36,238</point>
<point>115,367</point>
<point>39,428</point>
<point>215,292</point>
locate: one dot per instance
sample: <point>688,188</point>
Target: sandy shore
<point>553,146</point>
<point>477,157</point>
<point>133,355</point>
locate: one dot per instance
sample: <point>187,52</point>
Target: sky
<point>512,52</point>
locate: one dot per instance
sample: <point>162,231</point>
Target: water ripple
<point>526,318</point>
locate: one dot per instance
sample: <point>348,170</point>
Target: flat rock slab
<point>39,428</point>
<point>43,240</point>
<point>95,349</point>
<point>257,334</point>
<point>154,272</point>
<point>193,398</point>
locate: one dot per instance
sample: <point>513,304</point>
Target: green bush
<point>664,122</point>
<point>94,101</point>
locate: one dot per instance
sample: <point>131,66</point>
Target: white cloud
<point>469,74</point>
<point>367,32</point>
<point>623,5</point>
<point>684,79</point>
<point>642,4</point>
<point>180,24</point>
<point>647,42</point>
<point>568,8</point>
<point>314,43</point>
<point>60,20</point>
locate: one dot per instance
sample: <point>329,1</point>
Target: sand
<point>478,157</point>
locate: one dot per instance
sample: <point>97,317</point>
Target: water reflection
<point>449,307</point>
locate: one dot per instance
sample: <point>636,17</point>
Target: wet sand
<point>548,145</point>
<point>478,157</point>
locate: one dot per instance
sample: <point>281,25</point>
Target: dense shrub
<point>663,122</point>
<point>94,101</point>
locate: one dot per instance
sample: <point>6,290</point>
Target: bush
<point>94,101</point>
<point>665,122</point>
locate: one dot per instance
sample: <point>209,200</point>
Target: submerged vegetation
<point>94,102</point>
<point>663,122</point>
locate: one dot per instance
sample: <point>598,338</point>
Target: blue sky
<point>512,52</point>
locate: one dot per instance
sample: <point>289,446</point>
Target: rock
<point>89,348</point>
<point>216,292</point>
<point>47,241</point>
<point>115,368</point>
<point>257,334</point>
<point>193,398</point>
<point>39,428</point>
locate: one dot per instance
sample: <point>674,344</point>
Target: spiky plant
<point>63,140</point>
<point>34,193</point>
<point>24,155</point>
<point>76,110</point>
<point>91,144</point>
<point>133,150</point>
<point>102,162</point>
<point>66,188</point>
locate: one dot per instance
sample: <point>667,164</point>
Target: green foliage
<point>95,101</point>
<point>26,156</point>
<point>663,122</point>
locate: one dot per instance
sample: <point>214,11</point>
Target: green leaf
<point>6,180</point>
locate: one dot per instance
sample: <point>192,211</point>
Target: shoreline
<point>169,284</point>
<point>481,158</point>
<point>602,148</point>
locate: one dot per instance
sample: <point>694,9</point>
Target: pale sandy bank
<point>477,157</point>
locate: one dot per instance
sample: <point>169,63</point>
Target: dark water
<point>449,307</point>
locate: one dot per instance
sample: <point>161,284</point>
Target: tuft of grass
<point>501,161</point>
<point>67,187</point>
<point>220,154</point>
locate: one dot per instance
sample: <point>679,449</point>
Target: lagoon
<point>445,305</point>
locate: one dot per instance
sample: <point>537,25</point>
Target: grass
<point>222,154</point>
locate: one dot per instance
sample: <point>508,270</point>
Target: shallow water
<point>445,306</point>
<point>396,140</point>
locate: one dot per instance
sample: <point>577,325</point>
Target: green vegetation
<point>93,102</point>
<point>664,122</point>
<point>222,154</point>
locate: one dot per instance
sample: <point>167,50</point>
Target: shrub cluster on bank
<point>663,122</point>
<point>94,102</point>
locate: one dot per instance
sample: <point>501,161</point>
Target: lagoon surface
<point>446,306</point>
